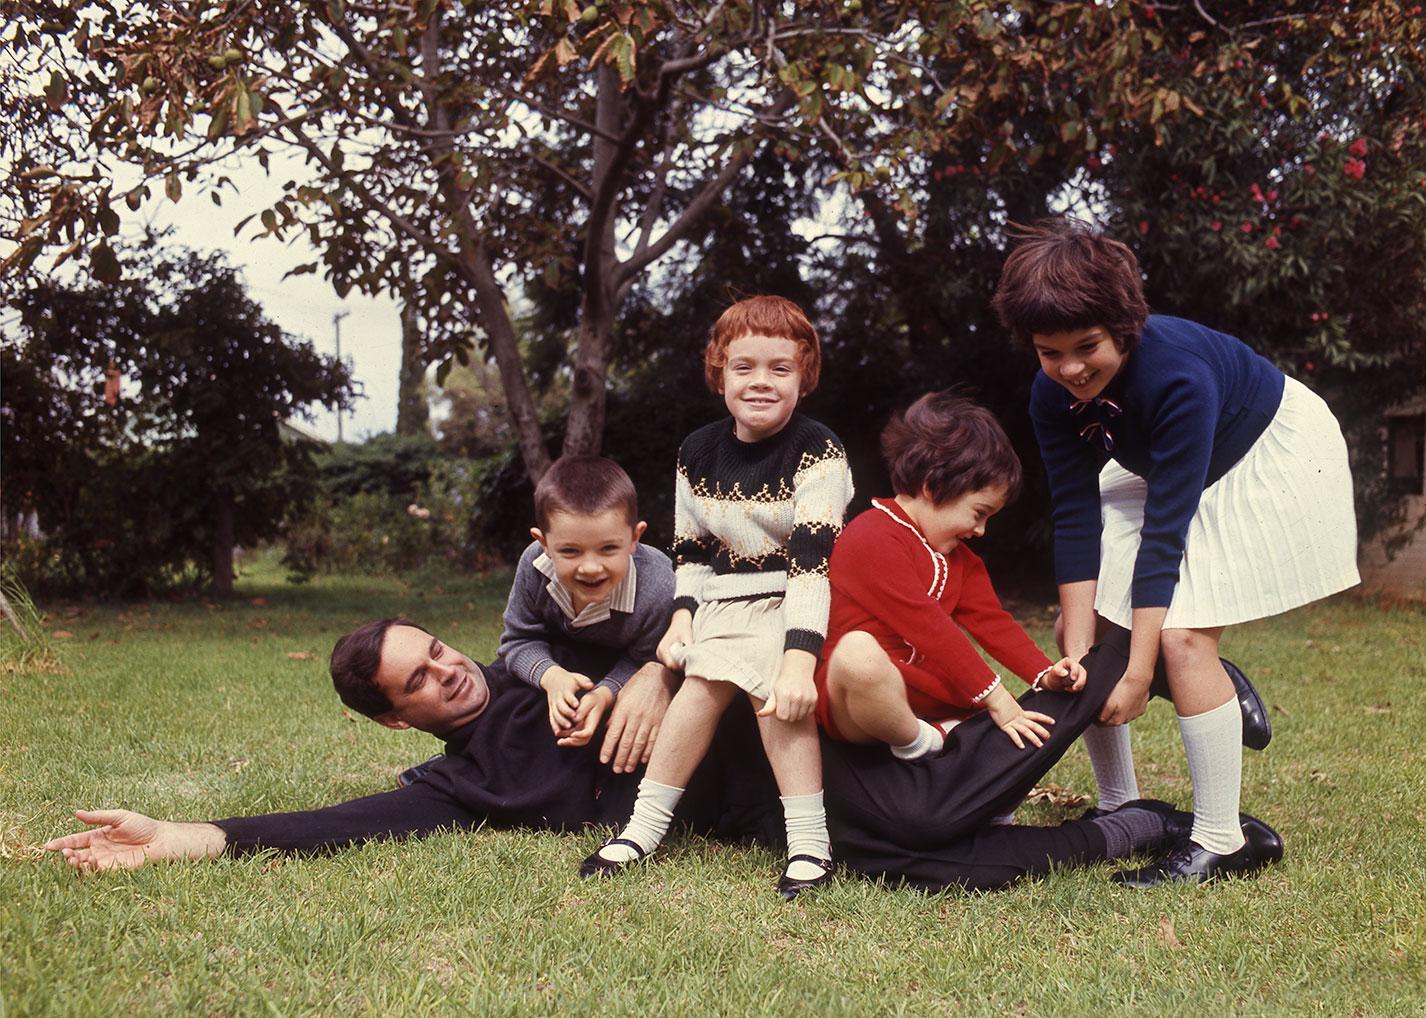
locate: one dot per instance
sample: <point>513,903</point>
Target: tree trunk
<point>412,412</point>
<point>584,429</point>
<point>223,547</point>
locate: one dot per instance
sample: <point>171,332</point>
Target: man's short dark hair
<point>947,445</point>
<point>355,660</point>
<point>584,486</point>
<point>1063,276</point>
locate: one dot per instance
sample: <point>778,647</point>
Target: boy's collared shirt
<point>542,629</point>
<point>620,600</point>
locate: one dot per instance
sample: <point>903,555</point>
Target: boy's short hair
<point>1065,275</point>
<point>947,445</point>
<point>763,316</point>
<point>584,486</point>
<point>355,660</point>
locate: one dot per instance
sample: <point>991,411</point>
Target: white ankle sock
<point>653,812</point>
<point>928,740</point>
<point>1112,758</point>
<point>806,820</point>
<point>1213,743</point>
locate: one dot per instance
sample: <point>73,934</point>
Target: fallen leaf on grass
<point>62,634</point>
<point>257,624</point>
<point>1321,777</point>
<point>237,763</point>
<point>1056,795</point>
<point>300,655</point>
<point>1167,936</point>
<point>1377,708</point>
<point>258,602</point>
<point>1282,710</point>
<point>348,715</point>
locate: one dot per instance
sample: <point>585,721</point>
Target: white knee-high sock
<point>1213,742</point>
<point>653,812</point>
<point>1113,761</point>
<point>806,820</point>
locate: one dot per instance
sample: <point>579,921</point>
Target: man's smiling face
<point>431,686</point>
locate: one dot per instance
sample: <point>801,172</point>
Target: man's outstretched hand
<point>120,839</point>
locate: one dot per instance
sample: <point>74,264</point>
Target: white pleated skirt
<point>1277,531</point>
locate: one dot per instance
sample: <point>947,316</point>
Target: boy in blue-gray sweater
<point>587,608</point>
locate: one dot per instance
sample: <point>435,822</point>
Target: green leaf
<point>57,91</point>
<point>173,187</point>
<point>104,264</point>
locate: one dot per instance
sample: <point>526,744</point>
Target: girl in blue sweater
<point>1194,487</point>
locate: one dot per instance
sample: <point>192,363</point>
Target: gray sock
<point>1129,830</point>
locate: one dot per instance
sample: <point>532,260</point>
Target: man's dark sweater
<point>504,770</point>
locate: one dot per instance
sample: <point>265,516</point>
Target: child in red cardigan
<point>906,591</point>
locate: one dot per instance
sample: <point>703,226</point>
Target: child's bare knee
<point>1186,647</point>
<point>856,660</point>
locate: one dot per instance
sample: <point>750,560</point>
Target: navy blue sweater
<point>1190,403</point>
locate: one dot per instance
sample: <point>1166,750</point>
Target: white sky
<point>302,305</point>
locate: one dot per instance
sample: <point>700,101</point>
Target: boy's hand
<point>1066,675</point>
<point>794,694</point>
<point>1019,724</point>
<point>562,688</point>
<point>587,717</point>
<point>679,635</point>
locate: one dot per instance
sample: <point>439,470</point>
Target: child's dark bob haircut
<point>946,445</point>
<point>1064,276</point>
<point>584,486</point>
<point>763,316</point>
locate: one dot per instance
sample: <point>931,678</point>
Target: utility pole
<point>337,327</point>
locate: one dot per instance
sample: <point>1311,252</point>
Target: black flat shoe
<point>1194,864</point>
<point>596,865</point>
<point>411,774</point>
<point>791,887</point>
<point>1257,726</point>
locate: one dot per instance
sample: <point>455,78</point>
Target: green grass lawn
<point>197,711</point>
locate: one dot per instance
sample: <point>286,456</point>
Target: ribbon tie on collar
<point>1105,409</point>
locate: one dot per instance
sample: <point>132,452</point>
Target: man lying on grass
<point>500,767</point>
<point>925,823</point>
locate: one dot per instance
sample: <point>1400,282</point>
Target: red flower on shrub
<point>1358,147</point>
<point>1216,226</point>
<point>1143,227</point>
<point>1273,243</point>
<point>1246,227</point>
<point>1355,168</point>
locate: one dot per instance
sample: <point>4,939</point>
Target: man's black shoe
<point>1192,863</point>
<point>1178,824</point>
<point>791,887</point>
<point>1257,726</point>
<point>410,774</point>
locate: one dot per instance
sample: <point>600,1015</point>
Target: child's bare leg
<point>796,757</point>
<point>1211,724</point>
<point>684,738</point>
<point>687,729</point>
<point>1110,751</point>
<point>866,699</point>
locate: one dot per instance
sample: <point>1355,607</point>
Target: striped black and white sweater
<point>760,518</point>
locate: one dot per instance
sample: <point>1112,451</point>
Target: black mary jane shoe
<point>791,887</point>
<point>1257,726</point>
<point>1191,863</point>
<point>595,865</point>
